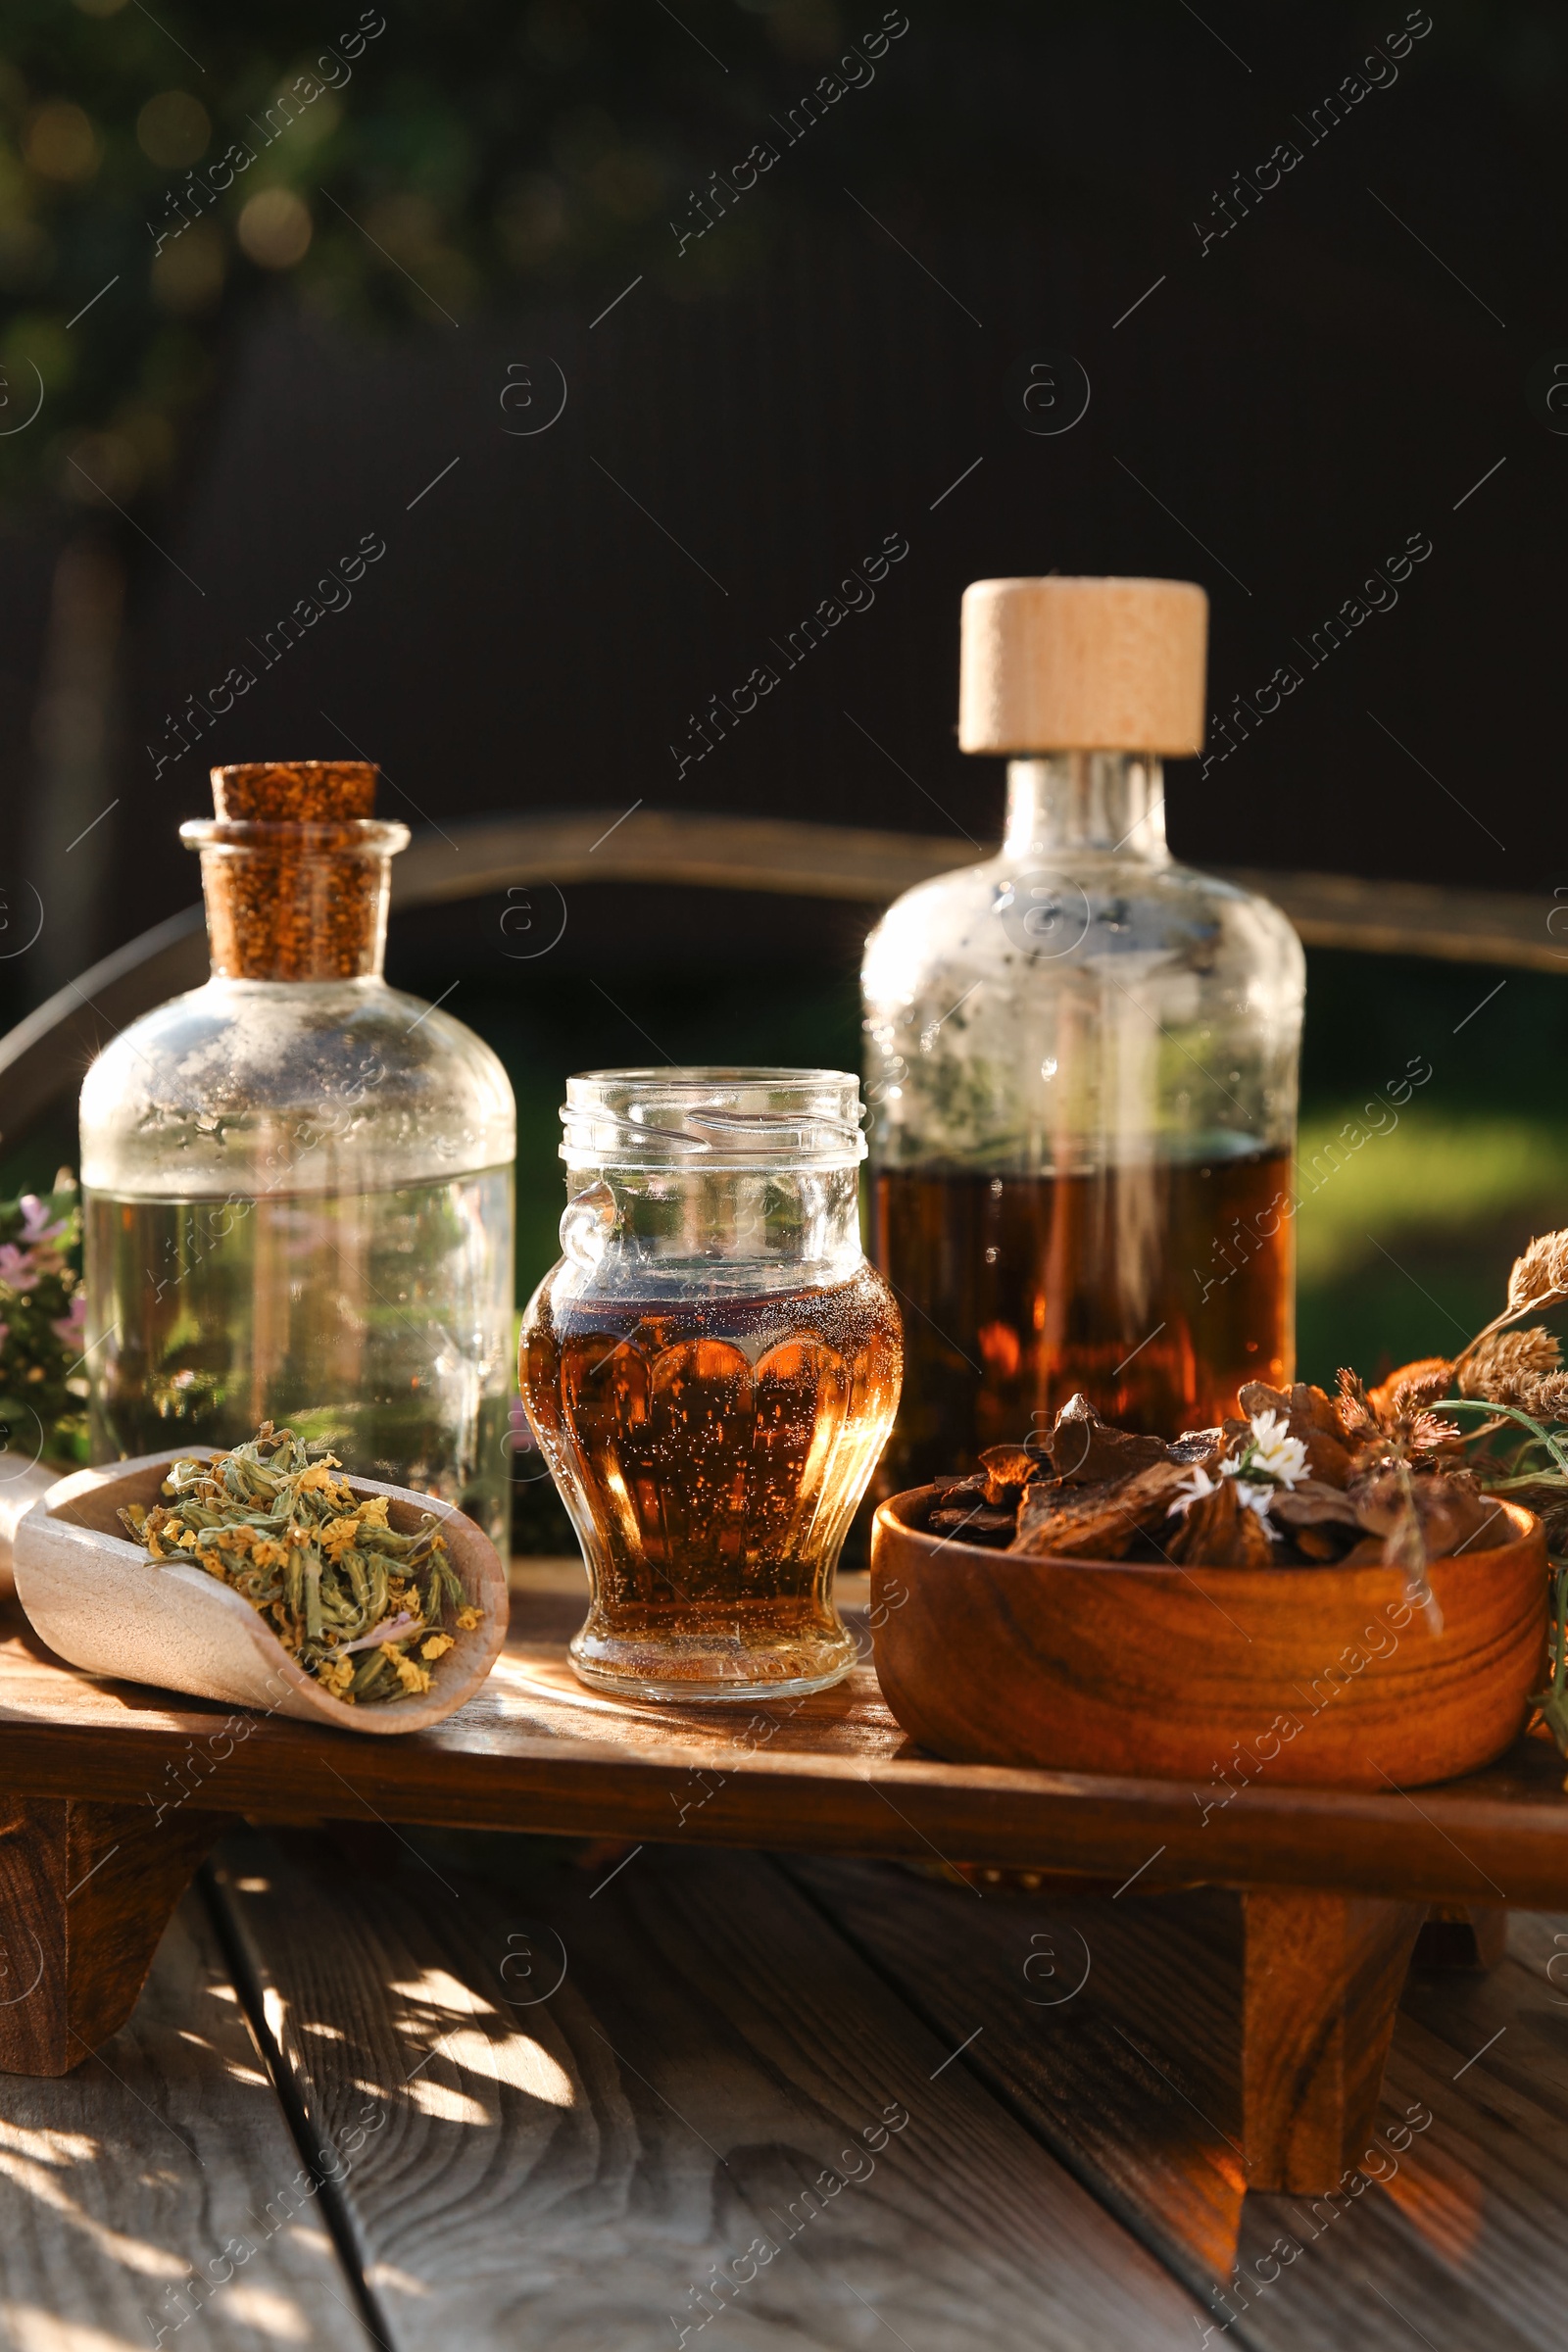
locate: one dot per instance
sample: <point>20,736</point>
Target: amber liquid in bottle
<point>711,1453</point>
<point>1155,1288</point>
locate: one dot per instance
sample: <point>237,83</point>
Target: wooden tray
<point>114,1792</point>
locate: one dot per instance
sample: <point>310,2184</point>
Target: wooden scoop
<point>105,1604</point>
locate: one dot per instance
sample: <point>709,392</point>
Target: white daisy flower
<point>1269,1460</point>
<point>1197,1486</point>
<point>1273,1451</point>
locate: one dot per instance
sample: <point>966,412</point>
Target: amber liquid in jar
<point>1157,1289</point>
<point>711,1451</point>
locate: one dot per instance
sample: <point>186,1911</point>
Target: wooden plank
<point>775,855</point>
<point>606,2085</point>
<point>1380,918</point>
<point>160,2185</point>
<point>536,1750</point>
<point>1113,2027</point>
<point>85,1894</point>
<point>1321,1976</point>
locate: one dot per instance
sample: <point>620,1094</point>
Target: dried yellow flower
<point>436,1647</point>
<point>325,1569</point>
<point>412,1678</point>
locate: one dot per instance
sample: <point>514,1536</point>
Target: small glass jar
<point>297,1180</point>
<point>710,1371</point>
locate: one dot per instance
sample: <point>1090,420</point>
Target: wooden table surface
<point>430,2090</point>
<point>401,2078</point>
<point>535,1750</point>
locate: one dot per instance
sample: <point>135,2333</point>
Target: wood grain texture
<point>569,2170</point>
<point>535,1750</point>
<point>1124,2058</point>
<point>86,1893</point>
<point>1322,1976</point>
<point>1209,1675</point>
<point>122,2184</point>
<point>1060,665</point>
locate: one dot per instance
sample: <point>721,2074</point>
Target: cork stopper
<point>1083,665</point>
<point>295,871</point>
<point>294,791</point>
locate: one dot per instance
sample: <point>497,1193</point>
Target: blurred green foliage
<point>1405,1248</point>
<point>406,164</point>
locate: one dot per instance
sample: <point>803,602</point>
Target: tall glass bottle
<point>297,1180</point>
<point>1082,1058</point>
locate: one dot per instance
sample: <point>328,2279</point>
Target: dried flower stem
<point>1538,1280</point>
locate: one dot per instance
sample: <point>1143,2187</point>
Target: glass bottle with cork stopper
<point>1082,1057</point>
<point>297,1181</point>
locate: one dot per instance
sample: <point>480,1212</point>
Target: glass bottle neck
<point>1087,801</point>
<point>296,902</point>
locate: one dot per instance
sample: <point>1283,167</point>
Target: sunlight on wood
<point>513,2058</point>
<point>272,2315</point>
<point>438,1989</point>
<point>47,2146</point>
<point>133,2253</point>
<point>444,2105</point>
<point>30,2330</point>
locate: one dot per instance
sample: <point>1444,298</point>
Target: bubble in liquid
<point>1047,1068</point>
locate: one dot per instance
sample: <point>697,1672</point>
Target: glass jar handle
<point>587,1224</point>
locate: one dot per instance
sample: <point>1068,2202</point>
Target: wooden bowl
<point>1214,1675</point>
<point>104,1604</point>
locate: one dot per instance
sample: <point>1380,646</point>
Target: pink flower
<point>18,1267</point>
<point>35,1225</point>
<point>74,1322</point>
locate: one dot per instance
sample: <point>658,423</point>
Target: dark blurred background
<point>367,337</point>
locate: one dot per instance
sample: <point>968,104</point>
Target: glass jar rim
<point>703,1117</point>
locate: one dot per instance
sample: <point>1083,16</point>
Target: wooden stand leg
<point>1473,1935</point>
<point>85,1892</point>
<point>1322,1979</point>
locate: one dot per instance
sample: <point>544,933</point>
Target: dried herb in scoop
<point>354,1602</point>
